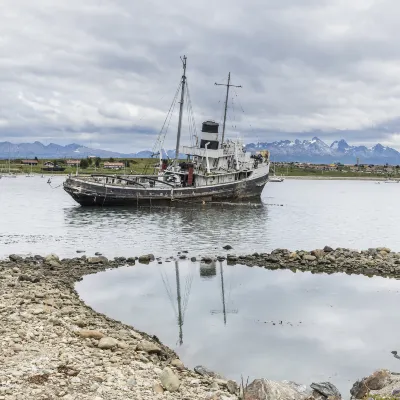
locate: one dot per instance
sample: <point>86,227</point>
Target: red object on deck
<point>164,165</point>
<point>190,176</point>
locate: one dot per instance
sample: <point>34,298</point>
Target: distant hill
<point>314,150</point>
<point>52,150</point>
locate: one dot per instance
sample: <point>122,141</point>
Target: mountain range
<point>314,150</point>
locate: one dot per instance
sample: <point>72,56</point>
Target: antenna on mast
<point>228,85</point>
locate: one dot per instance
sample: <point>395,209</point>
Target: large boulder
<point>15,258</point>
<point>264,389</point>
<point>377,381</point>
<point>169,380</point>
<point>326,389</point>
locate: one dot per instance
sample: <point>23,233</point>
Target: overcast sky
<point>103,73</point>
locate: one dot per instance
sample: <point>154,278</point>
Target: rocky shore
<point>379,261</point>
<point>53,346</point>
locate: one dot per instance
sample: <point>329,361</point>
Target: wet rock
<point>97,253</point>
<point>149,347</point>
<point>97,260</point>
<point>107,343</point>
<point>263,389</point>
<point>326,389</point>
<point>207,260</point>
<point>228,247</point>
<point>169,380</point>
<point>80,251</point>
<point>86,333</point>
<point>193,259</point>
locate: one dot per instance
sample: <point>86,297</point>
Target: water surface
<point>277,324</point>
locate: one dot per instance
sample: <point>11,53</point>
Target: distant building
<point>29,162</point>
<point>49,164</point>
<point>114,165</point>
<point>73,163</point>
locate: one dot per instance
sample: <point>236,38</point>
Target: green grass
<point>137,166</point>
<point>294,171</point>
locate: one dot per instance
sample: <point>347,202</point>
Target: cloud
<point>106,72</point>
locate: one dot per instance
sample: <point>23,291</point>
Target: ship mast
<point>228,85</point>
<point>178,138</point>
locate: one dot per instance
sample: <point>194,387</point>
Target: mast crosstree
<point>228,85</point>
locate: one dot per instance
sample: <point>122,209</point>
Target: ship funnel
<point>209,134</point>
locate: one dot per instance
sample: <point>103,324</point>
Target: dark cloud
<point>106,72</point>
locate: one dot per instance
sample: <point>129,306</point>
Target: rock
<point>86,333</point>
<point>97,254</point>
<point>169,380</point>
<point>378,380</point>
<point>107,343</point>
<point>97,260</point>
<point>396,392</point>
<point>149,347</point>
<point>359,390</point>
<point>206,372</point>
<point>318,253</point>
<point>27,278</point>
<point>263,389</point>
<point>177,363</point>
<point>157,388</point>
<point>328,249</point>
<point>232,387</point>
<point>54,264</point>
<point>80,251</point>
<point>146,258</point>
<point>51,257</point>
<point>193,259</point>
<point>228,247</point>
<point>15,258</point>
<point>326,389</point>
<point>309,257</point>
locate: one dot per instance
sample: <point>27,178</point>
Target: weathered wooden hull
<point>88,193</point>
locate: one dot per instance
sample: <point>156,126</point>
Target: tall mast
<point>178,297</point>
<point>178,138</point>
<point>226,102</point>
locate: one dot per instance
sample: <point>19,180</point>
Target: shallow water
<point>35,218</point>
<point>279,324</point>
<point>339,343</point>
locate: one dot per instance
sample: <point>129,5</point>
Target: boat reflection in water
<point>179,297</point>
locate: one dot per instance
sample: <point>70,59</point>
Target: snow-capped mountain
<point>315,150</point>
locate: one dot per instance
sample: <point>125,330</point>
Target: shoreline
<point>55,346</point>
<point>337,178</point>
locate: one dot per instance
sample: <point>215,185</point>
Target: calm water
<point>348,323</point>
<point>279,324</point>
<point>37,219</point>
